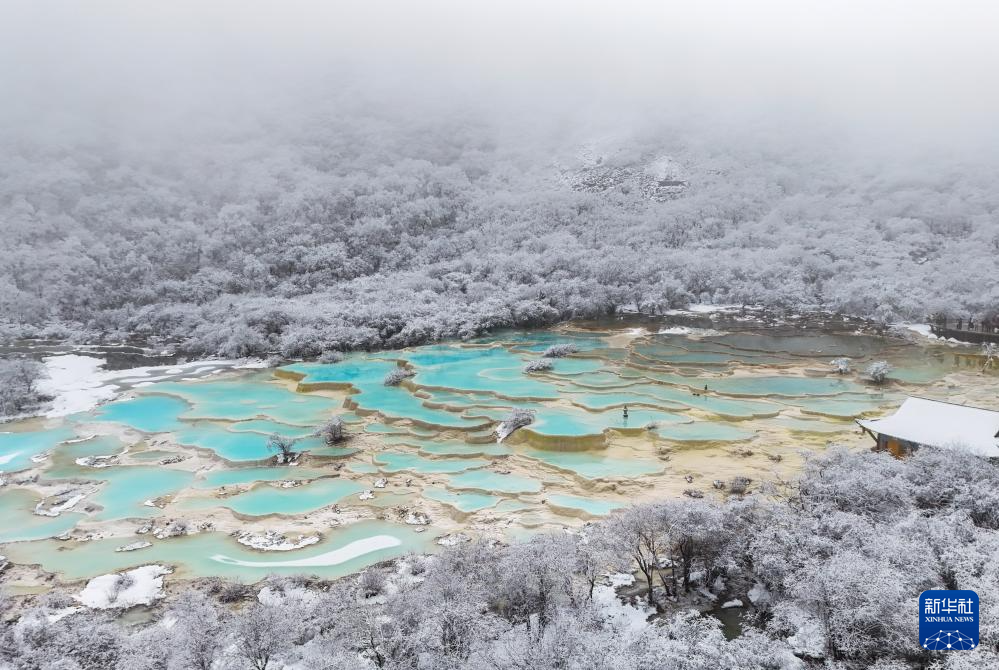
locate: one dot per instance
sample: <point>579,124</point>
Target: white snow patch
<point>691,332</point>
<point>336,557</point>
<point>75,383</point>
<point>140,586</point>
<point>618,615</point>
<point>703,308</point>
<point>920,328</point>
<point>759,595</point>
<point>80,439</point>
<point>732,603</point>
<point>272,540</point>
<point>252,364</point>
<point>417,519</point>
<point>79,383</point>
<point>809,640</point>
<point>56,510</point>
<point>60,614</point>
<point>97,461</point>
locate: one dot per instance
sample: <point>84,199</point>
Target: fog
<point>893,73</point>
<point>241,177</point>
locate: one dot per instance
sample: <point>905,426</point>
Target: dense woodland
<point>19,394</point>
<point>343,229</point>
<point>830,569</point>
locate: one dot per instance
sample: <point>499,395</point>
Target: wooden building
<point>921,422</point>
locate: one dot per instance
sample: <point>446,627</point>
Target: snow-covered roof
<point>942,424</point>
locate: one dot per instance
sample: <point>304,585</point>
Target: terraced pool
<point>421,462</point>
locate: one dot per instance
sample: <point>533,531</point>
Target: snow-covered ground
<point>619,615</point>
<point>272,540</point>
<point>140,586</point>
<point>703,308</point>
<point>78,383</point>
<point>57,509</point>
<point>920,328</point>
<point>691,332</point>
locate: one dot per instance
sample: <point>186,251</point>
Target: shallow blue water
<point>151,413</point>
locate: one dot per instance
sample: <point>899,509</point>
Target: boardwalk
<point>977,332</point>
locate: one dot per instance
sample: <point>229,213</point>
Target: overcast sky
<point>913,69</point>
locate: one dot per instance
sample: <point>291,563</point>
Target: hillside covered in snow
<point>353,229</point>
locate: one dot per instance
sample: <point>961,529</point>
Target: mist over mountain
<point>355,176</point>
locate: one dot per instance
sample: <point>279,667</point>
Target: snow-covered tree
<point>18,386</point>
<point>878,371</point>
<point>259,633</point>
<point>284,446</point>
<point>841,365</point>
<point>332,431</point>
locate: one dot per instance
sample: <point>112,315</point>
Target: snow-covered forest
<point>828,571</point>
<point>295,180</point>
<point>353,230</point>
<point>316,178</point>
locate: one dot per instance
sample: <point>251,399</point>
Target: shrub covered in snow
<point>331,356</point>
<point>739,485</point>
<point>396,376</point>
<point>841,365</point>
<point>371,582</point>
<point>878,371</point>
<point>19,386</point>
<point>539,365</point>
<point>332,431</point>
<point>560,350</point>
